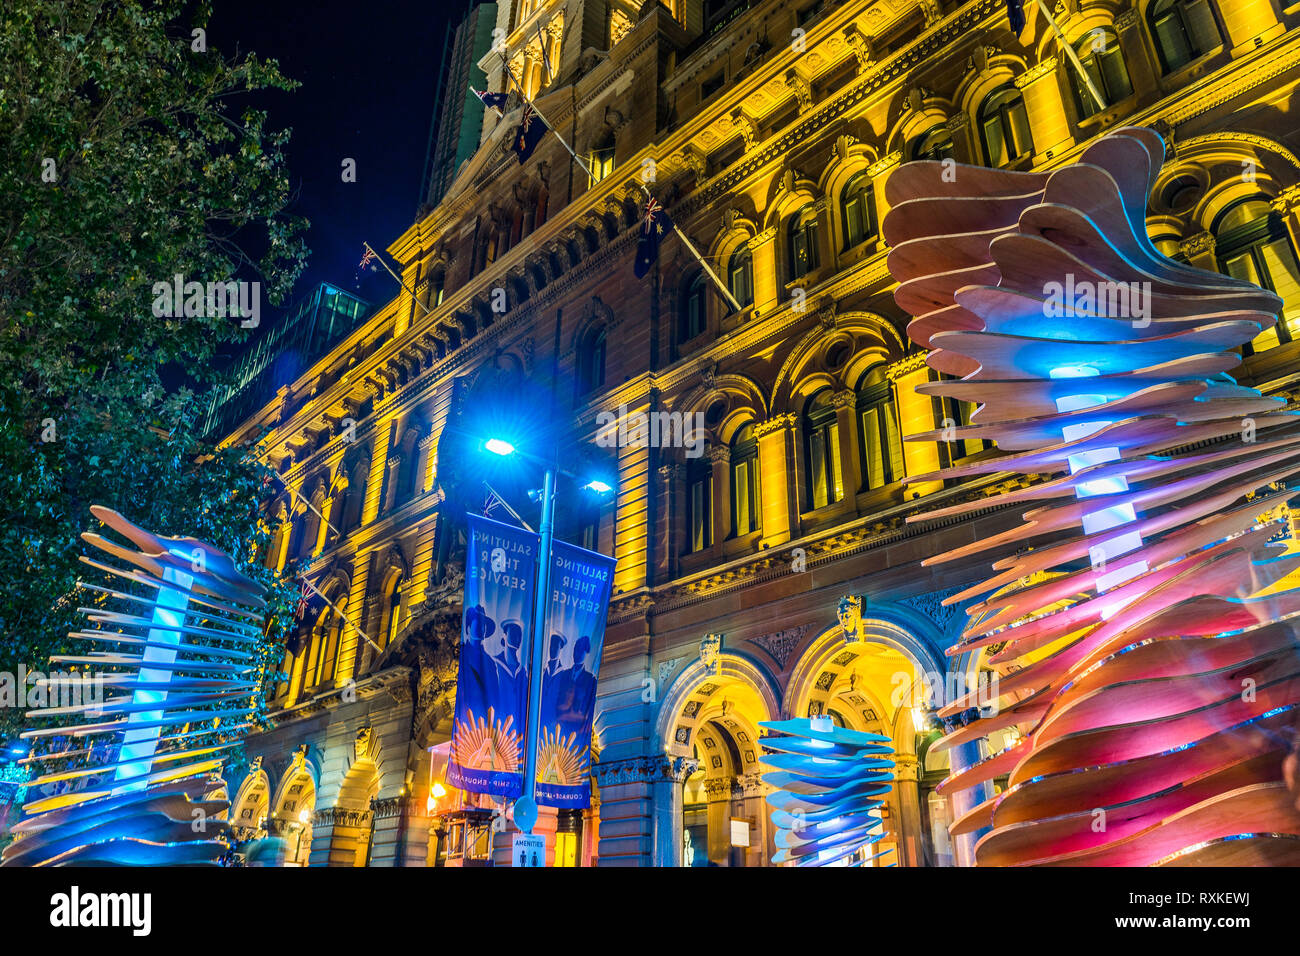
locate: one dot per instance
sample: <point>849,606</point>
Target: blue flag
<point>529,134</point>
<point>654,223</point>
<point>581,582</point>
<point>487,739</point>
<point>493,101</point>
<point>1016,14</point>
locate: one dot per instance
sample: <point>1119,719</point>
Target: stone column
<point>752,793</point>
<point>915,414</point>
<point>959,758</point>
<point>1286,204</point>
<point>717,847</point>
<point>720,499</point>
<point>1199,251</point>
<point>1249,24</point>
<point>667,796</point>
<point>879,173</point>
<point>963,145</point>
<point>339,836</point>
<point>392,826</point>
<point>778,455</point>
<point>846,421</point>
<point>910,825</point>
<point>1048,124</point>
<point>766,292</point>
<point>670,520</point>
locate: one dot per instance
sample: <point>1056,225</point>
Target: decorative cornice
<point>776,423</point>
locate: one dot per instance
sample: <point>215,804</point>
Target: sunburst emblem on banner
<point>487,744</point>
<point>561,760</point>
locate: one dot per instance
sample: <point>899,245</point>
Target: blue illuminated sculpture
<point>825,783</point>
<point>1136,627</point>
<point>131,777</point>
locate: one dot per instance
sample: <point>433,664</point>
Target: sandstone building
<point>768,129</point>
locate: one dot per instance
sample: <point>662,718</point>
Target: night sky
<point>369,73</point>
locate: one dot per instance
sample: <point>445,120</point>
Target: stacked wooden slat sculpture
<point>133,779</point>
<point>1151,681</point>
<point>825,783</point>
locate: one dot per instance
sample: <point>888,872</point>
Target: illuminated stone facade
<point>768,130</point>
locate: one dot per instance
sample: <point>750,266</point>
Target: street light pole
<point>526,806</point>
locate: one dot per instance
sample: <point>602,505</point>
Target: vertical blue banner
<point>578,604</point>
<point>487,739</point>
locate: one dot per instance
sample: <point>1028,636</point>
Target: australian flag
<point>654,223</point>
<point>493,101</point>
<point>529,134</point>
<point>1016,14</point>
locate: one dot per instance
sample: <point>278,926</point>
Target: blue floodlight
<point>499,446</point>
<point>598,486</point>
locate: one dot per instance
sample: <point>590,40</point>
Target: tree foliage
<point>126,159</point>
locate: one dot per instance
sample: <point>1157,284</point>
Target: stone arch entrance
<point>883,682</point>
<point>352,816</point>
<point>294,811</point>
<point>251,807</point>
<point>709,722</point>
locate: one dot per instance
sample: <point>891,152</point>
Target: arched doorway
<point>353,818</point>
<point>295,807</point>
<point>248,814</point>
<point>711,718</point>
<point>883,683</point>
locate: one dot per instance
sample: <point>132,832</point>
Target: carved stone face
<point>710,647</point>
<point>849,613</point>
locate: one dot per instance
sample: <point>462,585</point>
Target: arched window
<point>591,362</point>
<point>803,242</point>
<point>315,653</point>
<point>699,504</point>
<point>277,551</point>
<point>392,618</point>
<point>822,451</point>
<point>740,276</point>
<point>437,288</point>
<point>601,159</point>
<point>882,440</point>
<point>1252,243</point>
<point>350,517</point>
<point>312,527</point>
<point>949,412</point>
<point>935,143</point>
<point>694,316</point>
<point>744,482</point>
<point>1004,126</point>
<point>1183,30</point>
<point>858,209</point>
<point>1100,54</point>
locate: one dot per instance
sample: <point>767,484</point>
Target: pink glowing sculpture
<point>1141,651</point>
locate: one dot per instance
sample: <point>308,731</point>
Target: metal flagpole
<point>505,504</point>
<point>333,607</point>
<point>293,502</point>
<point>690,246</point>
<point>1072,56</point>
<point>399,281</point>
<point>712,275</point>
<point>546,61</point>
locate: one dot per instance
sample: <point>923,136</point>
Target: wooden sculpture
<point>825,783</point>
<point>133,779</point>
<point>1151,673</point>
